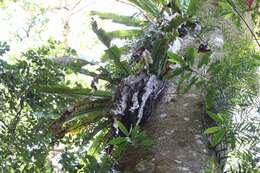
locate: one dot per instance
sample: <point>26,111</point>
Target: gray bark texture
<point>176,130</point>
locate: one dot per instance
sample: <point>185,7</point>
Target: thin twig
<point>247,25</point>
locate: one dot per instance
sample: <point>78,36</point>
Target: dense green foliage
<point>39,108</point>
<point>25,112</point>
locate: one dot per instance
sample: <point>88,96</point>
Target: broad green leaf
<point>190,56</point>
<point>174,57</point>
<point>229,16</point>
<point>216,117</point>
<point>212,130</point>
<point>117,141</point>
<point>122,128</point>
<point>210,98</point>
<point>217,137</point>
<point>205,59</point>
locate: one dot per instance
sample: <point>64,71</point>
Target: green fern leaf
<point>126,20</point>
<point>124,33</point>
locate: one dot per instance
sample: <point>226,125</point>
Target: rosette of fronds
<point>133,73</point>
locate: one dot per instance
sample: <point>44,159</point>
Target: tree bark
<point>176,129</point>
<point>177,124</point>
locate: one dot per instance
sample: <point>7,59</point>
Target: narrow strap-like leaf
<point>124,33</point>
<point>126,20</point>
<point>57,89</point>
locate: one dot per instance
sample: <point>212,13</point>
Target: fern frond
<point>69,61</point>
<point>83,113</point>
<point>95,130</point>
<point>114,53</point>
<point>124,33</point>
<point>60,127</point>
<point>64,90</point>
<point>148,6</point>
<point>101,34</point>
<point>126,20</point>
<point>159,56</point>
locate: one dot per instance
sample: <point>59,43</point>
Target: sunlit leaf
<point>126,20</point>
<point>173,57</point>
<point>56,89</point>
<point>122,128</point>
<point>124,33</point>
<point>190,56</point>
<point>217,137</point>
<point>212,130</point>
<point>216,117</point>
<point>117,141</point>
